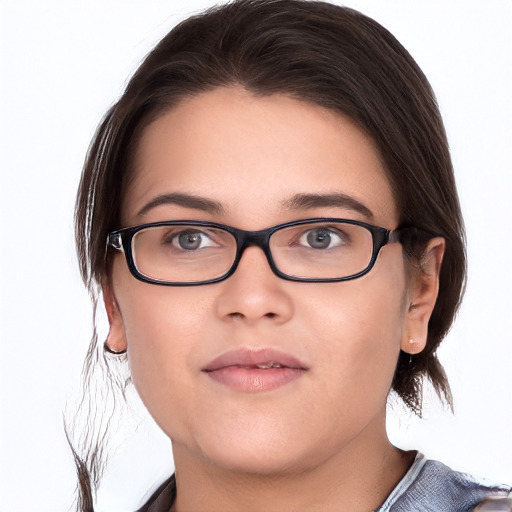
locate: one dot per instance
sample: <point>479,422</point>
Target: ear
<point>116,339</point>
<point>422,295</point>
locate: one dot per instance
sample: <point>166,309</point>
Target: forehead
<point>252,154</point>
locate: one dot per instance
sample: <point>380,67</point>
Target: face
<point>337,343</point>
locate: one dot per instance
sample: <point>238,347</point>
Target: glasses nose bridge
<point>259,239</point>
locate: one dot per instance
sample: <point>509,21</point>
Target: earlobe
<point>422,296</point>
<point>116,339</point>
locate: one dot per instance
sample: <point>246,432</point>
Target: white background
<point>62,64</point>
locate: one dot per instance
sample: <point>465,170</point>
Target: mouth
<point>253,371</point>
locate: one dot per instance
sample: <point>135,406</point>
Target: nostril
<point>241,315</point>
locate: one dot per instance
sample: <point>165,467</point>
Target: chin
<point>260,461</point>
<point>256,451</point>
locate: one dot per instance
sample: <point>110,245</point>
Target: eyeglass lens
<point>189,253</point>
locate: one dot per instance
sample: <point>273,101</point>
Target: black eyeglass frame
<point>121,239</point>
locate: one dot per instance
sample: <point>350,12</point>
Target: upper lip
<point>254,358</point>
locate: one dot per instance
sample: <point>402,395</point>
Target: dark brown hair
<point>316,52</point>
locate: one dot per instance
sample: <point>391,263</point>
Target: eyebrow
<point>186,200</point>
<point>336,200</point>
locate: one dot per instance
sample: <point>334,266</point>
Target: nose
<point>254,293</point>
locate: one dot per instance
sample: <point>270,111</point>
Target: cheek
<point>163,327</point>
<point>158,320</point>
<point>358,327</point>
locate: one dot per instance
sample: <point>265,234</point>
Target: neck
<point>357,478</point>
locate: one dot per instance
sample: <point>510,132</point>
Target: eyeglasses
<point>184,253</point>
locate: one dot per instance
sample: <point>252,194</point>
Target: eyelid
<point>326,229</point>
<point>211,236</point>
<point>298,235</point>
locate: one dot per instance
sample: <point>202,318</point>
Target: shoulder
<point>430,486</point>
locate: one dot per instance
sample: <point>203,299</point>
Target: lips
<point>253,371</point>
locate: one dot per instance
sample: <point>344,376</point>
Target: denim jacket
<point>430,486</point>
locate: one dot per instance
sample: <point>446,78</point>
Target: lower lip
<point>254,380</point>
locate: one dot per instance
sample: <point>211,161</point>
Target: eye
<point>190,240</point>
<point>322,238</point>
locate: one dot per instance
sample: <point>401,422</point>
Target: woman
<point>278,178</point>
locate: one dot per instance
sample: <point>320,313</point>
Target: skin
<point>319,442</point>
